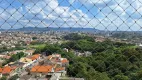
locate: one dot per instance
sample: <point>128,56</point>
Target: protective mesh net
<point>70,39</point>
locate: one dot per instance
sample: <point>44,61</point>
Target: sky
<point>111,15</point>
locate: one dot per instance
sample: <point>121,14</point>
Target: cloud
<point>45,13</point>
<point>103,14</point>
<point>117,14</point>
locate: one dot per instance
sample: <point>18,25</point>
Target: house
<point>7,71</point>
<point>1,56</point>
<point>5,57</point>
<point>65,49</point>
<point>77,53</point>
<point>41,70</point>
<point>54,57</point>
<point>48,67</point>
<point>18,65</point>
<point>35,57</point>
<point>47,70</point>
<point>60,70</point>
<point>29,52</point>
<point>30,61</point>
<point>25,60</point>
<point>49,57</point>
<point>12,53</point>
<point>87,53</point>
<point>57,59</point>
<point>64,62</point>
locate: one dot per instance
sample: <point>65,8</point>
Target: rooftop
<point>34,57</point>
<point>7,69</point>
<point>42,69</point>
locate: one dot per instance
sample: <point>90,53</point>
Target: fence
<point>71,39</point>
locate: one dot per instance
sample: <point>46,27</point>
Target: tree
<point>99,65</point>
<point>76,36</point>
<point>121,77</point>
<point>3,78</point>
<point>73,36</point>
<point>34,38</point>
<point>15,77</point>
<point>17,56</point>
<point>110,60</point>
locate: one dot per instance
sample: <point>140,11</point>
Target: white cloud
<point>117,11</point>
<point>51,14</point>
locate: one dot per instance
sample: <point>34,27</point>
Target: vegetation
<point>110,60</point>
<point>48,48</point>
<point>15,57</point>
<point>3,78</point>
<point>37,46</point>
<point>15,77</point>
<point>3,49</point>
<point>75,36</point>
<point>34,38</point>
<point>126,34</point>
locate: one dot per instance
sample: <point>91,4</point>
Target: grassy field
<point>37,46</point>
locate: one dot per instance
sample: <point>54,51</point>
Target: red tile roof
<point>59,69</point>
<point>0,70</point>
<point>6,70</point>
<point>64,60</point>
<point>34,57</point>
<point>42,69</point>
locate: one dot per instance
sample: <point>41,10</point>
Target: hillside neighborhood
<point>35,66</point>
<point>69,56</point>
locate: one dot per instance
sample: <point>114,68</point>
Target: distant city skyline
<point>120,15</point>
